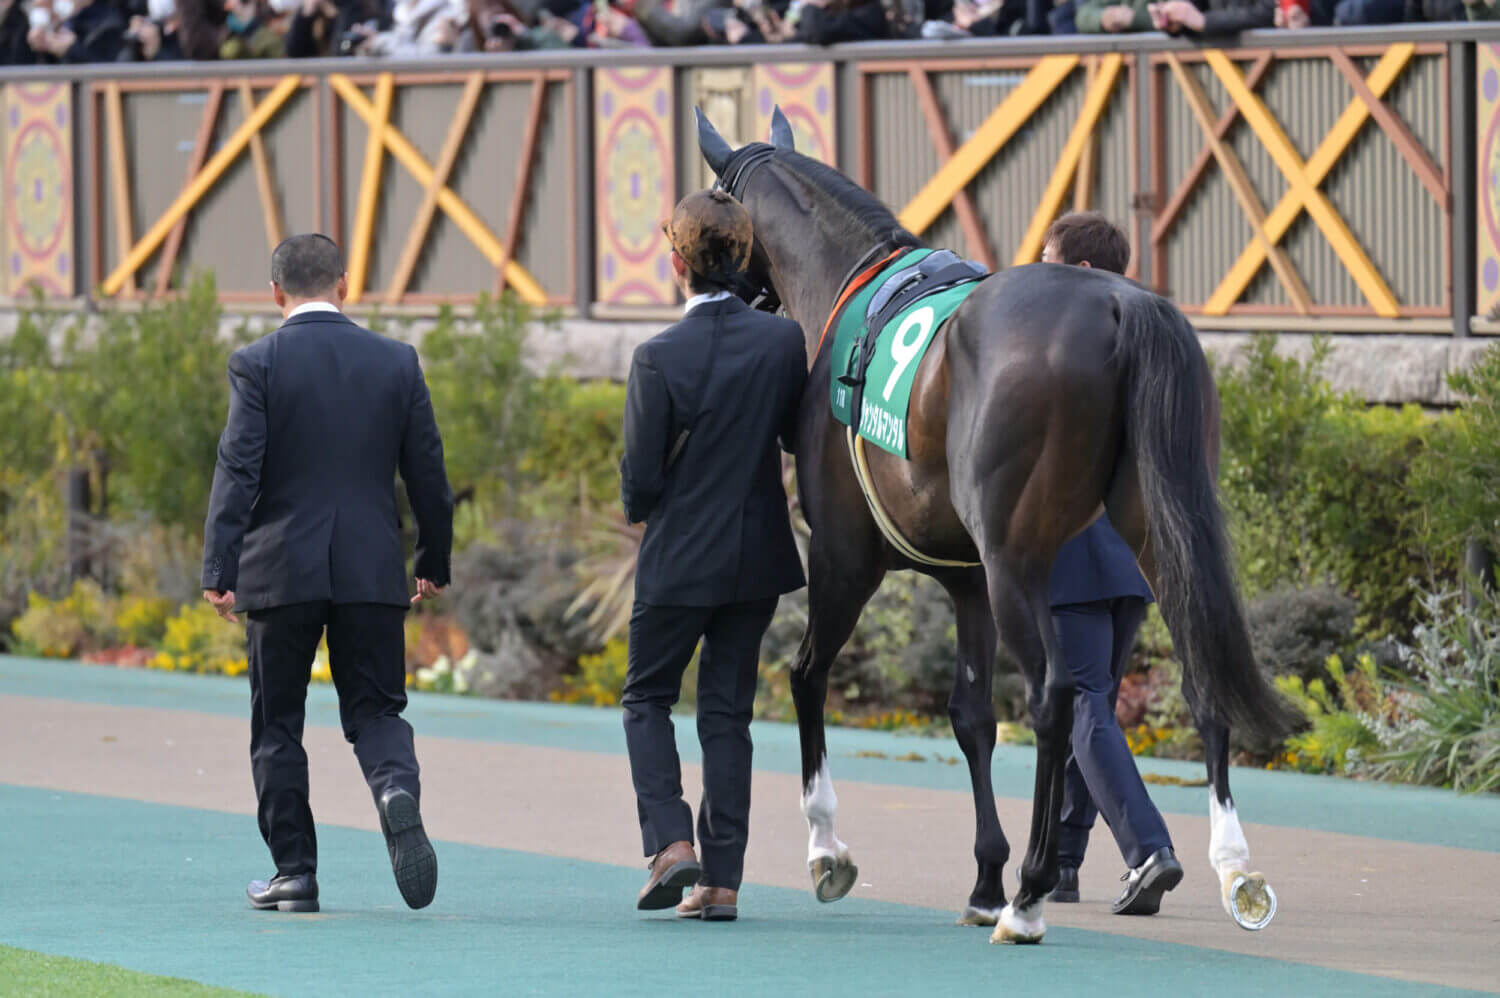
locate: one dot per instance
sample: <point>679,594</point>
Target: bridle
<point>758,295</point>
<point>734,180</point>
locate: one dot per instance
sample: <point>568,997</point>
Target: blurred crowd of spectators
<point>79,31</point>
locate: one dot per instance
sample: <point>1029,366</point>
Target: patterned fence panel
<point>1313,183</point>
<point>636,184</point>
<point>37,206</point>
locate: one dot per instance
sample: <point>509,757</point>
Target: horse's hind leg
<point>834,601</point>
<point>972,710</point>
<point>1246,896</point>
<point>1018,597</point>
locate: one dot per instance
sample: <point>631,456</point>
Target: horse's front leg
<point>1246,896</point>
<point>972,710</point>
<point>834,604</point>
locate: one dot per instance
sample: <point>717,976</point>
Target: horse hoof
<point>979,916</point>
<point>833,878</point>
<point>1250,901</point>
<point>1019,928</point>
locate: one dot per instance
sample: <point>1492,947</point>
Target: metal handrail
<point>739,55</point>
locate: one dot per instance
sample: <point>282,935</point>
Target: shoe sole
<point>1147,900</point>
<point>413,860</point>
<point>668,890</point>
<point>720,912</point>
<point>303,906</point>
<point>1064,897</point>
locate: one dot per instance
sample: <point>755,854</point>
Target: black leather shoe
<point>298,892</point>
<point>1066,891</point>
<point>412,858</point>
<point>1145,885</point>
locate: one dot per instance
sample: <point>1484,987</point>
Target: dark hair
<point>1088,235</point>
<point>307,265</point>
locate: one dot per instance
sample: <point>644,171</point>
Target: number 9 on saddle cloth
<point>882,334</point>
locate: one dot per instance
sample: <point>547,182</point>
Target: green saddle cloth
<point>900,345</point>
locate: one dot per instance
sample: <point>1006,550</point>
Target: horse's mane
<point>852,214</point>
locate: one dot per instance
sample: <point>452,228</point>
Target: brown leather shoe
<point>673,869</point>
<point>712,904</point>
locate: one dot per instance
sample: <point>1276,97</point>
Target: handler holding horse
<point>1031,401</point>
<point>706,403</point>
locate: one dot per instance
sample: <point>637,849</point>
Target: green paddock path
<point>126,804</point>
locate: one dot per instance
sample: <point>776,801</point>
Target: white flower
<point>442,666</point>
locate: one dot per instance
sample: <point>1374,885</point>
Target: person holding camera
<point>14,27</point>
<point>153,38</point>
<point>77,31</point>
<point>331,27</point>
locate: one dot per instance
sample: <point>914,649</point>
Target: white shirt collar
<point>313,306</point>
<point>704,299</point>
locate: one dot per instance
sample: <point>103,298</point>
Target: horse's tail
<point>1168,389</point>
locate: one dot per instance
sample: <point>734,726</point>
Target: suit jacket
<point>322,414</point>
<point>1096,565</point>
<point>717,528</point>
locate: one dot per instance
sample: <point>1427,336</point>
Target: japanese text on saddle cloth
<point>883,332</point>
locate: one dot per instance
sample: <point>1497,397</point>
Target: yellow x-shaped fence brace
<point>1304,180</point>
<point>383,134</point>
<point>1018,107</point>
<point>383,137</point>
<point>201,184</point>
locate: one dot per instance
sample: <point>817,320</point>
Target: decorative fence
<point>1342,179</point>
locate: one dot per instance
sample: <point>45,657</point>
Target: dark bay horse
<point>1052,393</point>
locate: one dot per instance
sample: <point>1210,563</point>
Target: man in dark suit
<point>707,401</point>
<point>1098,601</point>
<point>303,535</point>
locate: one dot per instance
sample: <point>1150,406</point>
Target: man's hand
<point>148,34</point>
<point>223,603</point>
<point>1116,18</point>
<point>427,590</point>
<point>1176,14</point>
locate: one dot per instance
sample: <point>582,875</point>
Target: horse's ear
<point>711,144</point>
<point>781,130</point>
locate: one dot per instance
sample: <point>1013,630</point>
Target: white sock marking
<point>819,804</point>
<point>1227,849</point>
<point>1025,923</point>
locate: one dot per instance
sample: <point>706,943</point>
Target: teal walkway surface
<point>1419,815</point>
<point>152,888</point>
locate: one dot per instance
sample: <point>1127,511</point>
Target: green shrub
<point>1293,631</point>
<point>197,639</point>
<point>84,620</point>
<point>142,620</point>
<point>1341,725</point>
<point>600,678</point>
<point>161,375</point>
<point>575,458</point>
<point>1316,486</point>
<point>489,406</point>
<point>1455,480</point>
<point>32,559</point>
<point>1447,729</point>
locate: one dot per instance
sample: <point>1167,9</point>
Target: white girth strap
<point>884,522</point>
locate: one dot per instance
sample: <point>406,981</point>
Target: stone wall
<point>1381,368</point>
<point>1390,369</point>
